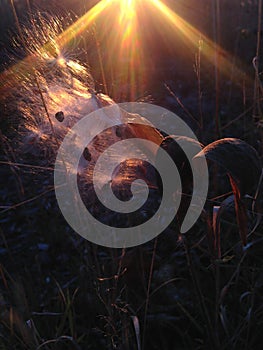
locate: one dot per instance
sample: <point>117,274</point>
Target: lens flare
<point>127,18</point>
<point>122,48</point>
<point>83,22</point>
<point>209,48</point>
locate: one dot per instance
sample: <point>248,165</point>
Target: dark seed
<point>118,131</point>
<point>86,154</point>
<point>59,116</point>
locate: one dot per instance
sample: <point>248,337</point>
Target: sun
<point>127,17</point>
<point>127,14</point>
<point>128,5</point>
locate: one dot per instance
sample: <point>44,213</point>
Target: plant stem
<point>148,292</point>
<point>216,28</point>
<point>204,311</point>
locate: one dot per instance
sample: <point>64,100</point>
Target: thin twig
<point>148,292</point>
<point>14,206</point>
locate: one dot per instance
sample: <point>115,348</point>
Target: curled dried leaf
<point>241,212</point>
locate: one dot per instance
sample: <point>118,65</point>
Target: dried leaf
<point>241,212</point>
<point>136,326</point>
<point>224,212</point>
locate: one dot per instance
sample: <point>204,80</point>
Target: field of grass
<point>198,290</point>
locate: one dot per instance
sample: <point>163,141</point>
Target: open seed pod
<point>177,147</point>
<point>238,159</point>
<point>243,166</point>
